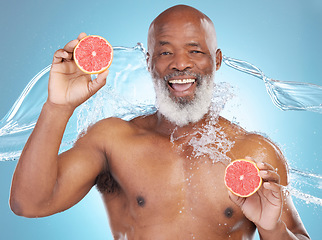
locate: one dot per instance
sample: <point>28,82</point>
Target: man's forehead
<point>181,18</point>
<point>178,27</point>
<point>193,32</point>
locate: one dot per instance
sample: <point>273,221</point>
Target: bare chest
<point>165,185</point>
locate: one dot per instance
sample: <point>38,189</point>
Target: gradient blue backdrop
<point>282,37</point>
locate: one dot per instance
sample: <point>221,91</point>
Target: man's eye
<point>165,53</point>
<point>196,51</point>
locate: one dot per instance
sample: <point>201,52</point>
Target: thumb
<point>97,83</point>
<point>236,199</point>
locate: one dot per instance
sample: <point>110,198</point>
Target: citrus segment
<point>242,177</point>
<point>93,54</point>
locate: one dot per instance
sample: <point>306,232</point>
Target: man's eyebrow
<point>193,44</point>
<point>162,43</point>
<point>190,44</point>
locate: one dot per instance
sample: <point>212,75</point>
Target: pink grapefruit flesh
<point>93,54</point>
<point>242,177</point>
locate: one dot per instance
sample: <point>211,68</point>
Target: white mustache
<point>182,73</point>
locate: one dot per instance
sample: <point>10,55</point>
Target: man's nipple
<point>140,200</point>
<point>229,212</point>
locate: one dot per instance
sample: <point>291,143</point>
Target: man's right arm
<point>44,182</point>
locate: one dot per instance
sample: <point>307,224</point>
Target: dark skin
<point>162,191</point>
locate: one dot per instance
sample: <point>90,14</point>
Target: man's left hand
<point>264,207</point>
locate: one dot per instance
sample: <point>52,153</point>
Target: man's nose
<point>181,62</point>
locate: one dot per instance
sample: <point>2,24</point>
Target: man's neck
<point>170,129</point>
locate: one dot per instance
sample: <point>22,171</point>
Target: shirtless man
<point>153,184</point>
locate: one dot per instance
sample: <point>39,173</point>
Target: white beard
<point>181,111</point>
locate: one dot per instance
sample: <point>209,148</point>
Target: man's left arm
<point>271,209</point>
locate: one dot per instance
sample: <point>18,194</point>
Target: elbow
<point>15,206</point>
<point>19,208</point>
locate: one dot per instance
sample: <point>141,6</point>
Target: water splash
<point>18,123</point>
<point>289,95</point>
<point>129,93</point>
<point>306,186</point>
<point>286,95</point>
<point>210,140</point>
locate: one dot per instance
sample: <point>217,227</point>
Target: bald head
<point>185,15</point>
<point>180,11</point>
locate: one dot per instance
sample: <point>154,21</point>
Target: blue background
<point>282,37</point>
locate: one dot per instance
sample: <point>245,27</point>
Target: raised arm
<point>45,183</point>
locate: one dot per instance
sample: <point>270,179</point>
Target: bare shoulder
<point>106,134</point>
<point>258,147</point>
<point>263,149</point>
<point>110,124</point>
<point>106,128</point>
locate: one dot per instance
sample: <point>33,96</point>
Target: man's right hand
<point>68,85</point>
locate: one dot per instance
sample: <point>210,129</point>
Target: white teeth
<point>182,81</point>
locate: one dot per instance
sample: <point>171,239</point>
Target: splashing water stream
<point>129,93</point>
<point>286,95</point>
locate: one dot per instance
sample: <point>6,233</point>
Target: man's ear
<point>148,63</point>
<point>218,59</point>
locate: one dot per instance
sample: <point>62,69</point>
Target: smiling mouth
<point>181,85</point>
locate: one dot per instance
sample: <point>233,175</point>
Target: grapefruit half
<point>242,177</point>
<point>93,54</point>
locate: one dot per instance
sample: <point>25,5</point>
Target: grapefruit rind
<point>102,69</point>
<point>231,187</point>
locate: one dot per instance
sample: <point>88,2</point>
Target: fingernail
<point>266,184</point>
<point>263,172</point>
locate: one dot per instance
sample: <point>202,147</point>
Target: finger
<point>276,189</point>
<point>265,166</point>
<point>81,36</point>
<point>103,75</point>
<point>272,186</point>
<point>239,201</point>
<point>250,159</point>
<point>98,83</point>
<point>69,47</point>
<point>60,55</point>
<point>273,193</point>
<point>269,176</point>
